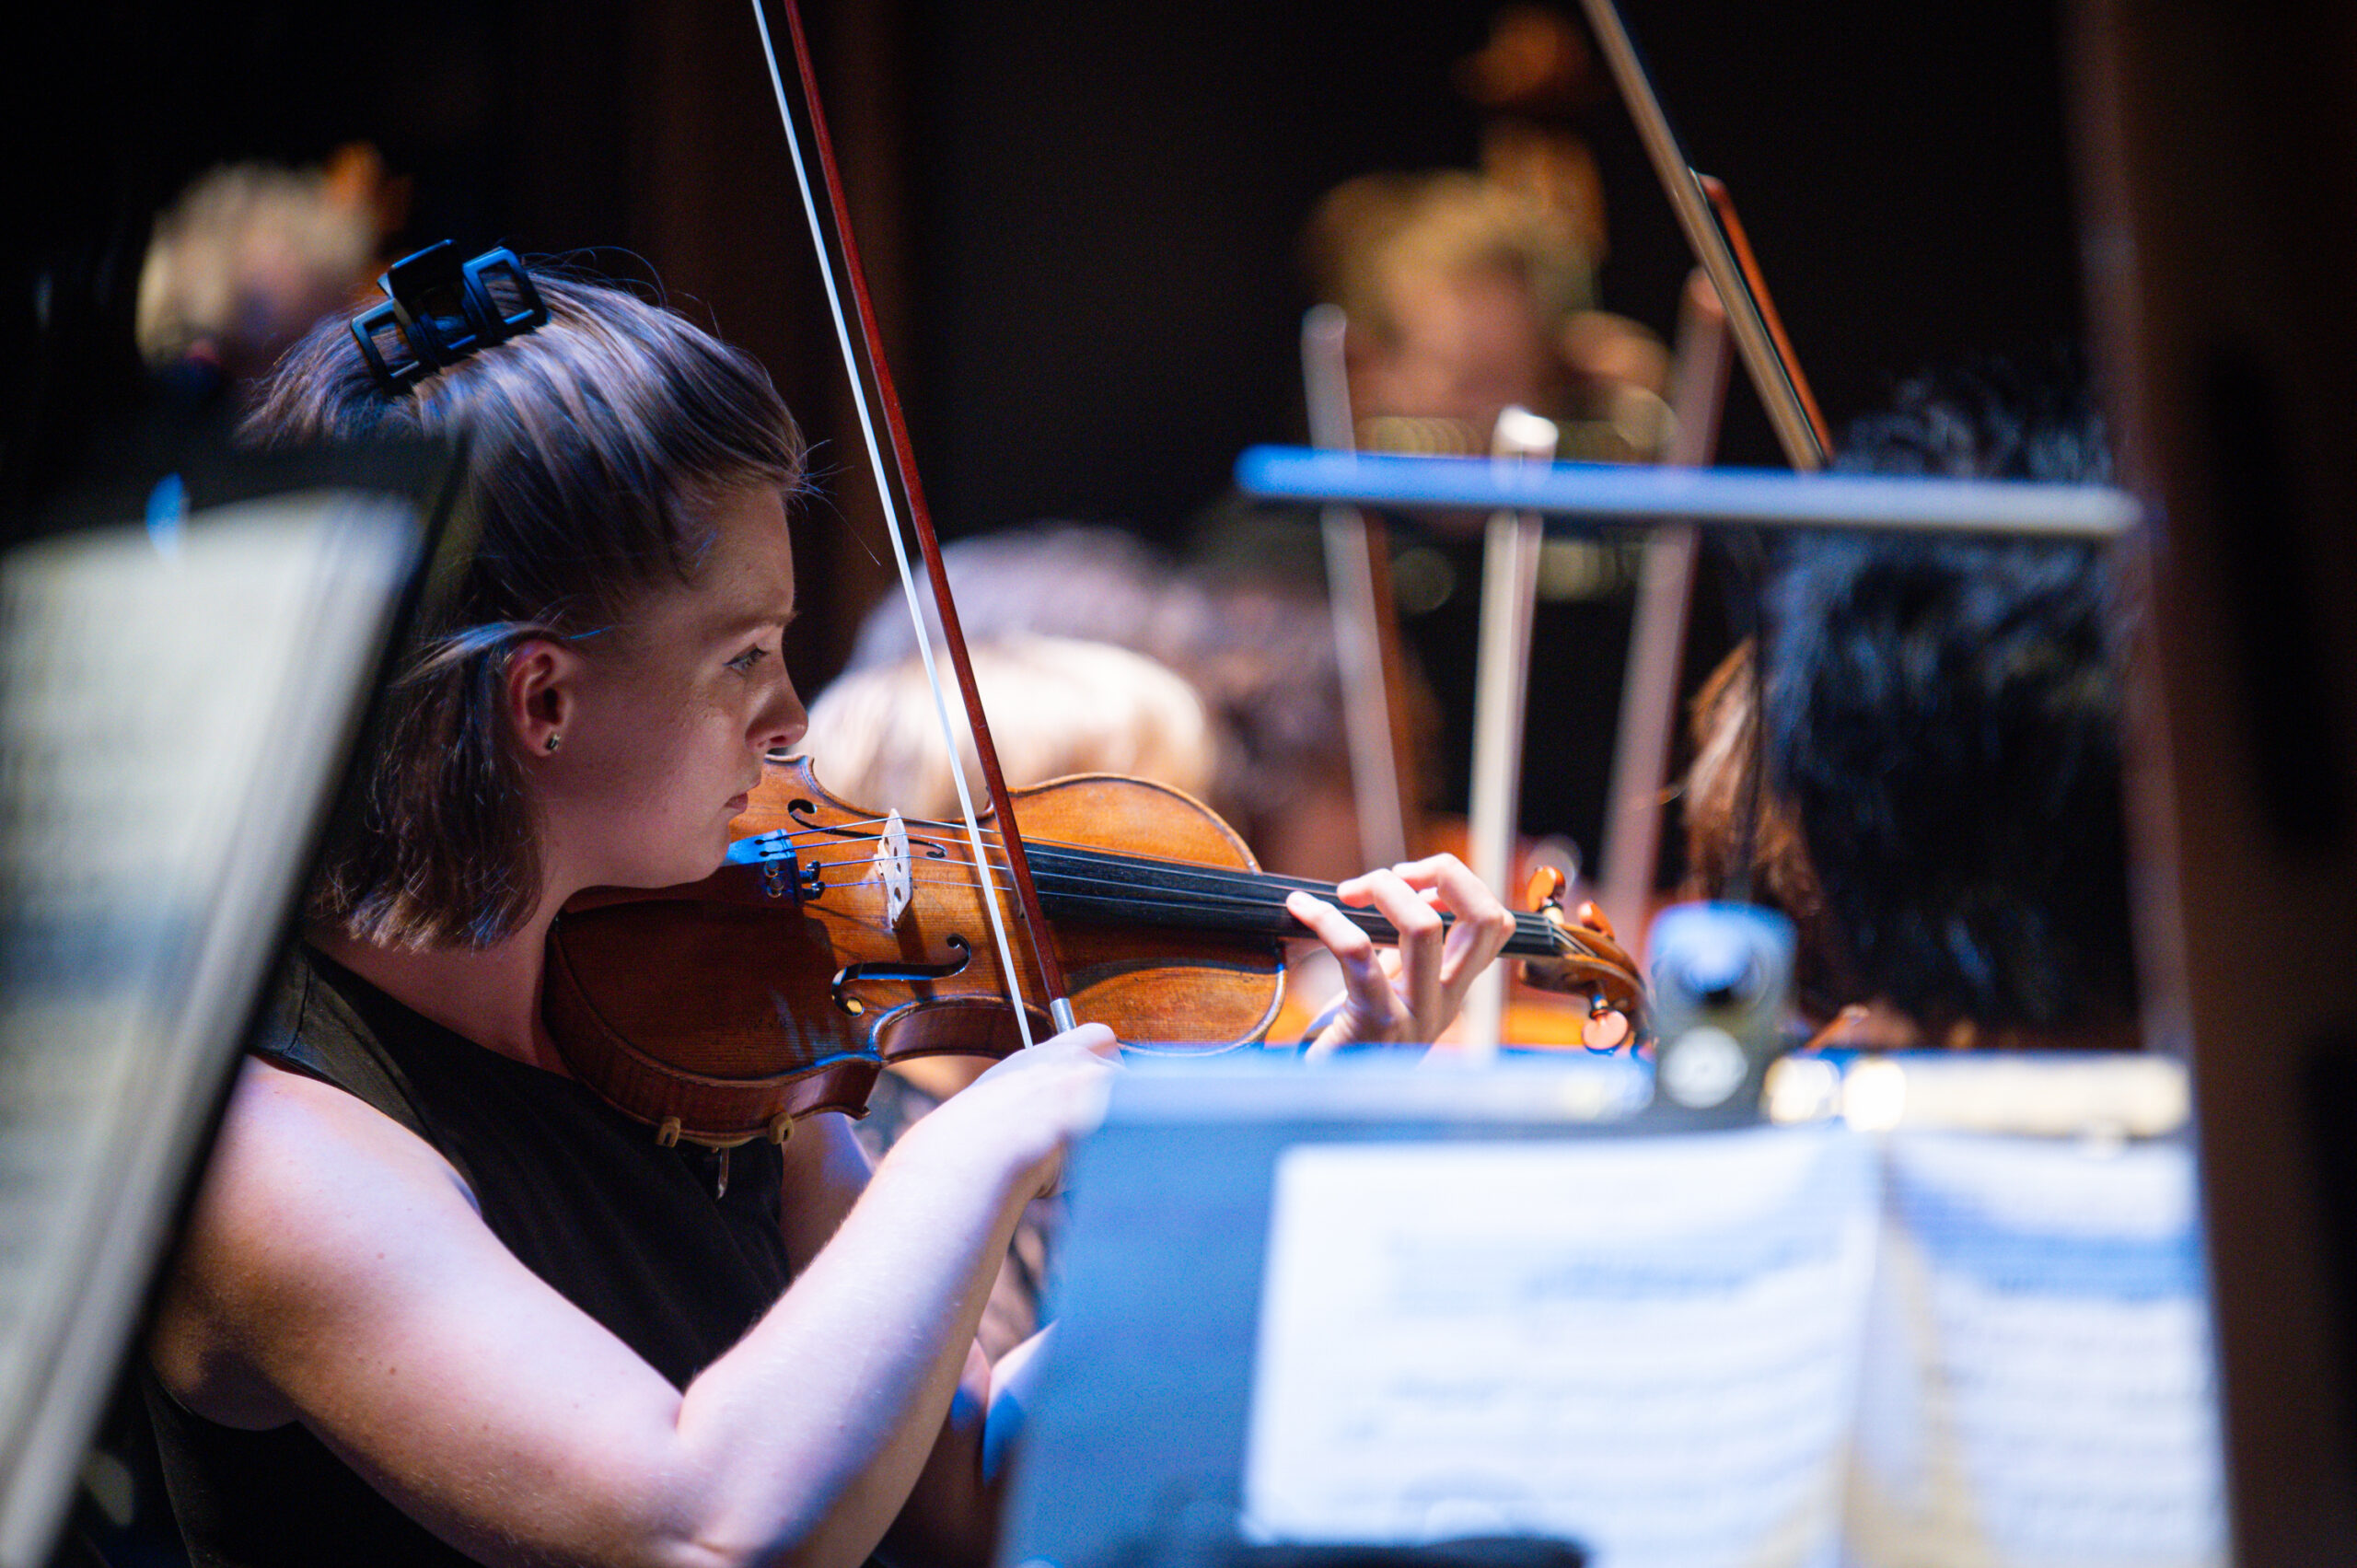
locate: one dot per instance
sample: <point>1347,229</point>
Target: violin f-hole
<point>890,970</point>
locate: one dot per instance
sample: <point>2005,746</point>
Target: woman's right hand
<point>1023,1114</point>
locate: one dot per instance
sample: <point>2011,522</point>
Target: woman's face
<point>669,722</point>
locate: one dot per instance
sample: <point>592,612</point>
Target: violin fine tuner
<point>783,875</point>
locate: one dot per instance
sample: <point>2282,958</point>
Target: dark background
<point>1080,218</point>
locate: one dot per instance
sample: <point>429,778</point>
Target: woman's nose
<point>783,720</point>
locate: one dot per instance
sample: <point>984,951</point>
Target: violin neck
<point>1097,886</point>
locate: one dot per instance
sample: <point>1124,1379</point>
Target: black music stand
<point>187,652</point>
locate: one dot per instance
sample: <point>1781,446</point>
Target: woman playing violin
<point>436,1301</point>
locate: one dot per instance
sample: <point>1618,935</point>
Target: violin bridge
<point>892,868</point>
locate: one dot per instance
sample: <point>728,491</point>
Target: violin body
<point>724,1009</point>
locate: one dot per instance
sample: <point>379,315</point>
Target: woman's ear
<point>541,695</point>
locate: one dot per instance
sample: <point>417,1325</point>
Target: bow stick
<point>1500,701</point>
<point>1640,754</point>
<point>1706,213</point>
<point>1366,617</point>
<point>1745,312</point>
<point>864,358</point>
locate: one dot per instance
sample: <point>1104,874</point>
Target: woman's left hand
<point>1412,993</point>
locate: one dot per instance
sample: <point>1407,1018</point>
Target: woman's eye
<point>743,663</point>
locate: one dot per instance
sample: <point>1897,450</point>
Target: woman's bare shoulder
<point>335,1272</point>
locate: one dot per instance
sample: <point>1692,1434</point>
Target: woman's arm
<point>951,1516</point>
<point>336,1272</point>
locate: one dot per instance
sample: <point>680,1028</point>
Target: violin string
<point>1084,886</point>
<point>1065,864</point>
<point>1256,880</point>
<point>1089,854</point>
<point>1078,864</point>
<point>1094,858</point>
<point>1529,928</point>
<point>1369,921</point>
<point>1242,890</point>
<point>1598,970</point>
<point>1534,937</point>
<point>1255,888</point>
<point>844,829</point>
<point>920,826</point>
<point>1232,886</point>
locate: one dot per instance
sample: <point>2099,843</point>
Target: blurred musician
<point>1941,813</point>
<point>250,256</point>
<point>1249,632</point>
<point>1466,297</point>
<point>1058,706</point>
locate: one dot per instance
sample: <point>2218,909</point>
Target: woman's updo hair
<point>596,449</point>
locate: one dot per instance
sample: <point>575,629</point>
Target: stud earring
<point>556,741</point>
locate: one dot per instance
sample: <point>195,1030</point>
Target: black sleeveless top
<point>677,1251</point>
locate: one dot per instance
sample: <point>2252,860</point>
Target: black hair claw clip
<point>442,309</point>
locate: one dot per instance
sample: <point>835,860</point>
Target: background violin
<point>837,940</point>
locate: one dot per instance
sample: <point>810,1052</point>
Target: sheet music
<point>169,709</point>
<point>1646,1345</point>
<point>2039,1383</point>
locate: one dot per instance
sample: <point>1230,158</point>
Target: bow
<point>899,490</point>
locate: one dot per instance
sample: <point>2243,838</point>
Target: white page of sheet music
<point>1646,1346</point>
<point>2038,1386</point>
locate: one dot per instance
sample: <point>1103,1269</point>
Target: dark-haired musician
<point>1942,814</point>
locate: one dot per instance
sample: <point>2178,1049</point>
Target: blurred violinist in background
<point>1252,637</point>
<point>250,256</point>
<point>1059,706</point>
<point>1465,298</point>
<point>1940,811</point>
<point>1443,298</point>
<point>1470,292</point>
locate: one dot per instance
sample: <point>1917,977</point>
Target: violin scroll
<point>1588,959</point>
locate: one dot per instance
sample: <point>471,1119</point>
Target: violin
<point>837,940</point>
